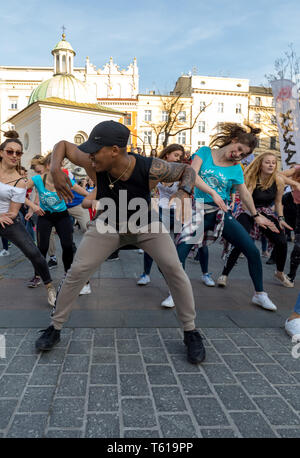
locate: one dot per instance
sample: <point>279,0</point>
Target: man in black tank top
<point>119,174</point>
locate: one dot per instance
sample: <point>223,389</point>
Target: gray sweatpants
<point>95,248</point>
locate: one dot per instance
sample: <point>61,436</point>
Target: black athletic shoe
<point>271,261</point>
<point>52,263</point>
<point>113,257</point>
<point>195,347</point>
<point>50,337</point>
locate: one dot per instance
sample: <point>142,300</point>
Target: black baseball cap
<point>106,133</point>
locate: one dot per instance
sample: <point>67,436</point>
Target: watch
<point>186,189</point>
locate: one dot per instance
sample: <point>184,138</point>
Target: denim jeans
<point>297,306</point>
<point>18,235</point>
<point>235,234</point>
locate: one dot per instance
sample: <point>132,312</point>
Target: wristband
<point>256,215</point>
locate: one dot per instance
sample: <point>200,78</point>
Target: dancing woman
<point>266,186</point>
<point>12,196</point>
<point>218,171</point>
<point>172,153</point>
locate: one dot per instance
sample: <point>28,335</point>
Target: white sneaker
<point>207,280</point>
<point>141,251</point>
<point>85,290</point>
<point>4,253</point>
<point>168,302</point>
<point>263,301</point>
<point>144,280</point>
<point>222,280</point>
<point>51,296</point>
<point>292,327</point>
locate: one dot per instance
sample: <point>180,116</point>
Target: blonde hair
<point>252,173</point>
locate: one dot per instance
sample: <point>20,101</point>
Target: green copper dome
<point>62,86</point>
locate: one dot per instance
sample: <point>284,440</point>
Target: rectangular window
<point>164,116</point>
<point>182,116</point>
<point>201,143</point>
<point>148,115</point>
<point>202,105</point>
<point>238,108</point>
<point>13,104</point>
<point>218,127</point>
<point>220,107</point>
<point>127,119</point>
<point>148,136</point>
<point>257,118</point>
<point>257,101</point>
<point>182,138</point>
<point>201,126</point>
<point>272,142</point>
<point>273,120</point>
<point>161,138</point>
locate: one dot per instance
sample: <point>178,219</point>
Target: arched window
<point>70,65</point>
<point>64,65</point>
<point>57,64</point>
<point>78,139</point>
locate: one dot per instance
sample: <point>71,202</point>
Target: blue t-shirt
<point>221,179</point>
<point>49,200</point>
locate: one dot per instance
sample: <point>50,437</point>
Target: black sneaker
<point>195,347</point>
<point>113,257</point>
<point>52,263</point>
<point>50,337</point>
<point>271,261</point>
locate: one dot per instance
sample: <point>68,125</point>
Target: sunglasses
<point>11,152</point>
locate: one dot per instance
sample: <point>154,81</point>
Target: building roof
<point>63,45</point>
<point>56,101</point>
<point>260,90</point>
<point>63,86</point>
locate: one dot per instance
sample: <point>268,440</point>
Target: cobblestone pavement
<point>137,383</point>
<point>111,376</point>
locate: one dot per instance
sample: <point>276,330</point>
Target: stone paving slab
<point>134,383</point>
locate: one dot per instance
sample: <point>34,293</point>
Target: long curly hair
<point>229,131</point>
<point>252,173</point>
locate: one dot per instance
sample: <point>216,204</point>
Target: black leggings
<point>278,239</point>
<point>295,255</point>
<point>63,225</point>
<point>19,236</point>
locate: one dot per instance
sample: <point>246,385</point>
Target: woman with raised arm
<point>266,187</point>
<point>218,171</point>
<point>12,196</point>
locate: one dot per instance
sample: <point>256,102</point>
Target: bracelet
<point>256,215</point>
<point>281,218</point>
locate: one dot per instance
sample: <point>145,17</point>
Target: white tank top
<point>10,194</point>
<point>165,193</point>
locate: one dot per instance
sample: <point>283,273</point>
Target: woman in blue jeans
<point>12,196</point>
<point>218,171</point>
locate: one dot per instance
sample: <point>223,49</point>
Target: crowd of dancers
<point>240,205</point>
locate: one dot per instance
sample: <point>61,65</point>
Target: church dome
<point>62,86</point>
<point>63,45</point>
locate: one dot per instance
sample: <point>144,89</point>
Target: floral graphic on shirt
<point>49,200</point>
<point>215,179</point>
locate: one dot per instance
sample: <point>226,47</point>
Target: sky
<point>231,38</point>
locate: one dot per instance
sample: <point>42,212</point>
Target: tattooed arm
<point>168,172</point>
